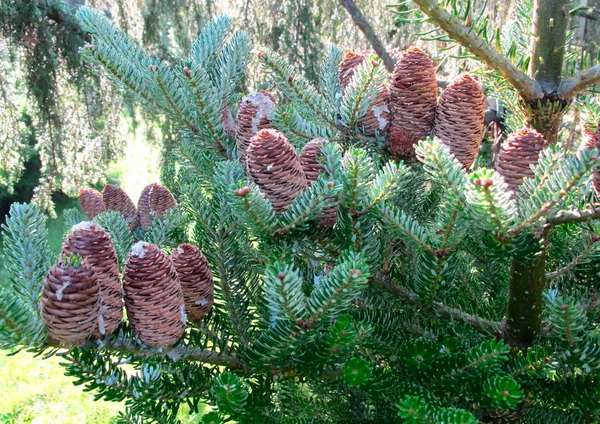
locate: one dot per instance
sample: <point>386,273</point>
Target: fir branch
<point>589,247</point>
<point>527,87</point>
<point>583,80</point>
<point>574,216</point>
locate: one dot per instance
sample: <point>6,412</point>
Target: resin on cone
<point>591,140</point>
<point>309,158</point>
<point>459,119</point>
<point>255,114</point>
<point>274,167</point>
<point>153,296</point>
<point>91,202</point>
<point>70,301</point>
<point>413,100</point>
<point>196,280</point>
<point>94,245</point>
<point>115,199</point>
<point>518,152</point>
<point>154,201</point>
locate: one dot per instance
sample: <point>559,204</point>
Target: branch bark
<point>584,79</point>
<point>527,87</point>
<point>574,216</point>
<point>363,24</point>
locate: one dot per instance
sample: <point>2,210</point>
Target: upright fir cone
<point>274,166</point>
<point>154,201</point>
<point>93,244</point>
<point>153,296</point>
<point>69,304</point>
<point>91,202</point>
<point>591,140</point>
<point>196,280</point>
<point>312,169</point>
<point>377,118</point>
<point>517,153</point>
<point>228,122</point>
<point>255,114</point>
<point>115,199</point>
<point>413,100</point>
<point>460,118</point>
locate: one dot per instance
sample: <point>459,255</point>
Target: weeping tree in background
<point>370,262</point>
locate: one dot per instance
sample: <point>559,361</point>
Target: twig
<point>363,24</point>
<point>527,87</point>
<point>587,13</point>
<point>584,79</point>
<point>573,216</point>
<point>574,262</point>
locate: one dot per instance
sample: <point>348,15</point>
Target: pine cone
<point>153,296</point>
<point>274,166</point>
<point>228,122</point>
<point>349,63</point>
<point>518,152</point>
<point>93,244</point>
<point>69,304</point>
<point>154,201</point>
<point>196,280</point>
<point>312,169</point>
<point>459,118</point>
<point>591,140</point>
<point>91,202</point>
<point>115,199</point>
<point>413,99</point>
<point>255,114</point>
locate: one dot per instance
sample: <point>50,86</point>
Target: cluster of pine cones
<point>83,294</point>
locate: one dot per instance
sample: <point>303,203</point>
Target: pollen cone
<point>518,152</point>
<point>312,169</point>
<point>413,99</point>
<point>255,114</point>
<point>69,304</point>
<point>93,244</point>
<point>91,202</point>
<point>115,199</point>
<point>460,118</point>
<point>153,296</point>
<point>274,166</point>
<point>196,280</point>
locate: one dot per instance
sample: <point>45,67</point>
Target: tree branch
<point>363,24</point>
<point>527,87</point>
<point>584,79</point>
<point>587,12</point>
<point>573,216</point>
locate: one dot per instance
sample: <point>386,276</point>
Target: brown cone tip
<point>154,201</point>
<point>348,65</point>
<point>196,280</point>
<point>459,119</point>
<point>518,152</point>
<point>91,202</point>
<point>309,159</point>
<point>69,304</point>
<point>94,245</point>
<point>115,199</point>
<point>274,167</point>
<point>413,98</point>
<point>153,296</point>
<point>255,114</point>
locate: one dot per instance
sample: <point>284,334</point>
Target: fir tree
<point>444,291</point>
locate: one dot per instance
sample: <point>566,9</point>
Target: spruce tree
<point>324,275</point>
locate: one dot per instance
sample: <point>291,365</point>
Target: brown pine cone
<point>228,122</point>
<point>459,118</point>
<point>591,140</point>
<point>518,152</point>
<point>413,100</point>
<point>91,202</point>
<point>70,301</point>
<point>377,118</point>
<point>93,244</point>
<point>196,280</point>
<point>312,169</point>
<point>115,199</point>
<point>153,296</point>
<point>154,201</point>
<point>274,167</point>
<point>349,63</point>
<point>255,114</point>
